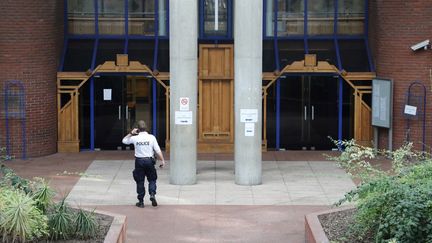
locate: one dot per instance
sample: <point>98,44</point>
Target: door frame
<point>309,65</point>
<point>69,84</point>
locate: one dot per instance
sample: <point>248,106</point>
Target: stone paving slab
<point>109,182</point>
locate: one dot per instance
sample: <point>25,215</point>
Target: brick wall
<point>395,25</point>
<point>31,37</point>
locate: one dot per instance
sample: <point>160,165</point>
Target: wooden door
<point>216,98</point>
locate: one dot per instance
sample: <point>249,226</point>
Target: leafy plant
<point>11,179</point>
<point>20,219</point>
<point>393,205</point>
<point>42,194</point>
<point>61,221</point>
<point>86,225</point>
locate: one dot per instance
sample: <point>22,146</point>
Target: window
<point>215,17</point>
<point>290,17</point>
<point>351,17</point>
<point>320,17</point>
<point>81,17</point>
<point>111,17</point>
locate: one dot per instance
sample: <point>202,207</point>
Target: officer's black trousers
<point>145,167</point>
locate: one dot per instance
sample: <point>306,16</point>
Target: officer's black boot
<point>153,200</point>
<point>140,204</point>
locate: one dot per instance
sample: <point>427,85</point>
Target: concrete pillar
<point>183,23</point>
<point>247,92</point>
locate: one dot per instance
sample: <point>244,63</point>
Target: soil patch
<point>336,226</point>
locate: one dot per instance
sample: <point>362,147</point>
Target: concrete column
<point>247,92</point>
<point>183,23</point>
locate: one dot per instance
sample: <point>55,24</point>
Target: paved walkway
<point>109,182</point>
<point>295,183</point>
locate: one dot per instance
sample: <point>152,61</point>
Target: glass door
<point>139,105</point>
<point>309,112</point>
<point>323,111</point>
<point>110,112</point>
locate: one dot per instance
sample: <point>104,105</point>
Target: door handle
<point>127,112</point>
<point>305,113</point>
<point>119,112</point>
<point>313,113</point>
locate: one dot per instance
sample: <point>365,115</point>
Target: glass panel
<point>163,56</point>
<point>347,111</point>
<point>109,112</point>
<point>290,17</point>
<point>271,117</point>
<point>269,18</point>
<point>84,116</point>
<point>163,17</point>
<point>141,17</point>
<point>351,17</point>
<point>215,17</point>
<point>138,102</point>
<point>290,51</point>
<point>111,17</point>
<point>325,51</point>
<point>161,115</point>
<point>268,57</point>
<point>323,111</point>
<point>108,50</point>
<point>320,17</point>
<point>142,51</point>
<point>292,130</point>
<point>78,56</point>
<point>81,17</point>
<point>354,56</point>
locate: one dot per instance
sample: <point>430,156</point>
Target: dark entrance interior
<point>309,112</point>
<point>119,101</point>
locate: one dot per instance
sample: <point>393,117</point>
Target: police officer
<point>145,148</point>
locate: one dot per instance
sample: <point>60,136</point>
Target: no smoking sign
<point>184,103</point>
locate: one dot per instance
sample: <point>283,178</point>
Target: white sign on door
<point>184,103</point>
<point>107,94</point>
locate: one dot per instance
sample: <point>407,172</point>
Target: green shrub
<point>393,205</point>
<point>61,221</point>
<point>42,194</point>
<point>86,225</point>
<point>11,179</point>
<point>20,219</point>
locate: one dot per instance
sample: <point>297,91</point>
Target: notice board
<point>382,102</point>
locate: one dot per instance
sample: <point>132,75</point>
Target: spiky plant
<point>86,225</point>
<point>60,221</point>
<point>42,194</point>
<point>20,219</point>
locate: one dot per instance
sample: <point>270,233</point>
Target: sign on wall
<point>382,102</point>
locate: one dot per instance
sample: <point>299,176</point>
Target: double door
<point>120,101</point>
<point>309,112</point>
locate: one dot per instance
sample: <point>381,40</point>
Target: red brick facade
<point>31,38</point>
<point>395,25</point>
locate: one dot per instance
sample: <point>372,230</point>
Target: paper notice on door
<point>107,94</point>
<point>249,129</point>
